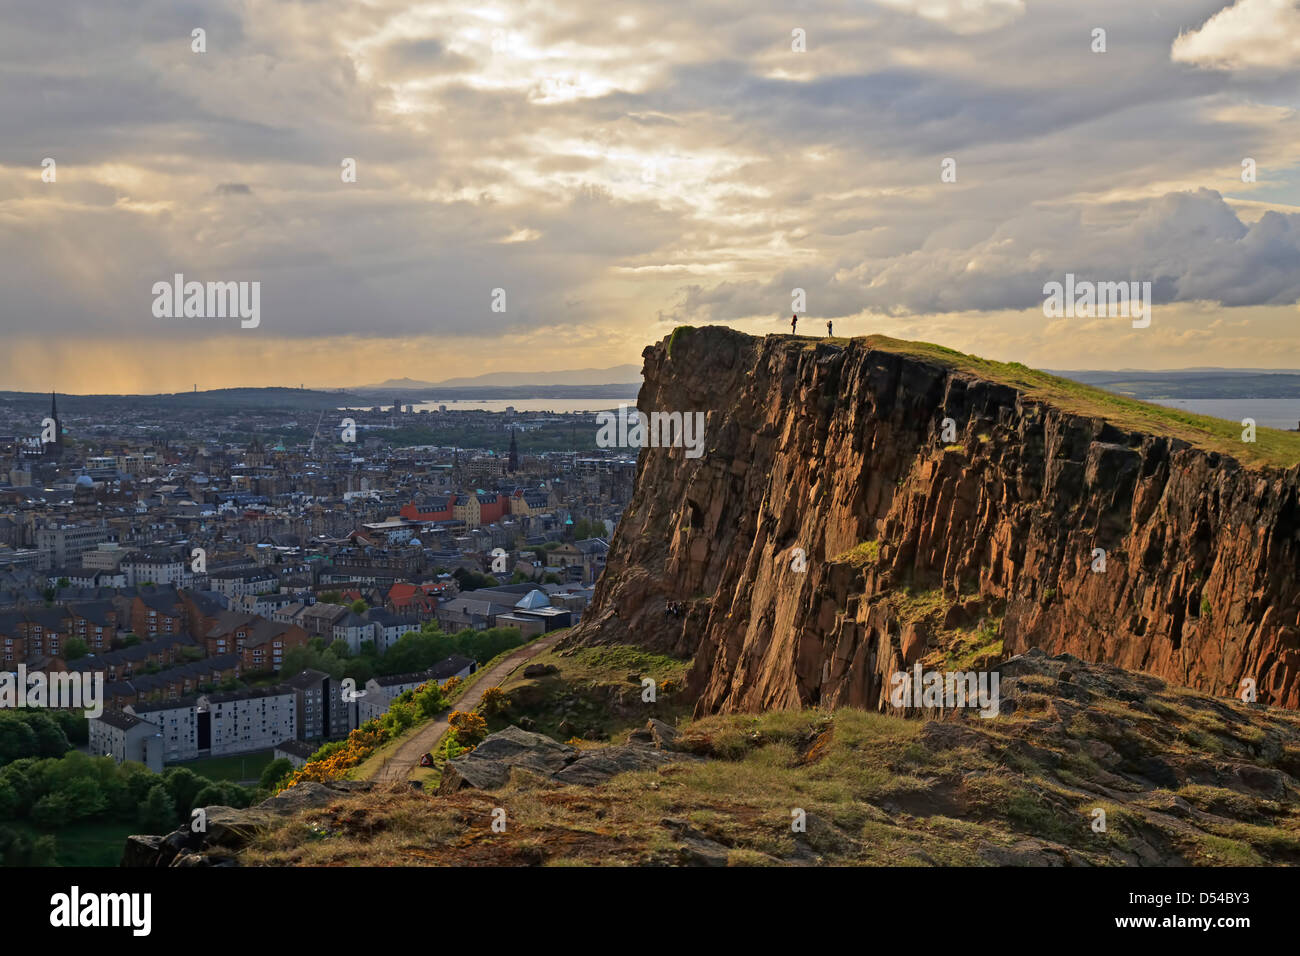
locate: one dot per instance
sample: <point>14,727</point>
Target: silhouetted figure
<point>829,333</point>
<point>794,321</point>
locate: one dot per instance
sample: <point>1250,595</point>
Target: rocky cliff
<point>836,529</point>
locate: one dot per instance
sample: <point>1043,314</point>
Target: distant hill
<point>217,398</point>
<point>617,375</point>
<point>1193,383</point>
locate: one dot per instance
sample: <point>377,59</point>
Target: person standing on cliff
<point>829,333</point>
<point>794,321</point>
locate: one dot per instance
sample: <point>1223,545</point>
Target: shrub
<point>494,702</point>
<point>469,727</point>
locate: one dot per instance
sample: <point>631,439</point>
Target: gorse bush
<point>493,702</point>
<point>333,760</point>
<point>469,727</point>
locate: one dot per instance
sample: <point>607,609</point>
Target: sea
<point>563,405</point>
<point>1281,413</point>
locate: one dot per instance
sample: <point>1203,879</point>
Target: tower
<point>55,448</point>
<point>512,463</point>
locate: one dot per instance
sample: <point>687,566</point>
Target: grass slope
<point>1183,779</point>
<point>1271,448</point>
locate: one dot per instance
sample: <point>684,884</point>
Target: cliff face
<point>838,449</point>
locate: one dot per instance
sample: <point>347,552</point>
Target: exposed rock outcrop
<point>227,830</point>
<point>831,457</point>
<point>488,766</point>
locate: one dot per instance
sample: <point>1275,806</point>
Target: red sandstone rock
<point>825,447</point>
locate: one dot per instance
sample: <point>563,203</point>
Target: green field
<point>85,844</point>
<point>236,767</point>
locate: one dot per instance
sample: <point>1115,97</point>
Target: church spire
<point>513,462</point>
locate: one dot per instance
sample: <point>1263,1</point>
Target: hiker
<point>829,333</point>
<point>794,321</point>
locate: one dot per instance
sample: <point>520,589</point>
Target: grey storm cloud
<point>1191,246</point>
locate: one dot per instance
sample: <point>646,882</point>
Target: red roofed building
<point>418,599</point>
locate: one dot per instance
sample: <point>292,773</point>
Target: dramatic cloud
<point>618,168</point>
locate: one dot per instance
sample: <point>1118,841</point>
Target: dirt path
<point>404,759</point>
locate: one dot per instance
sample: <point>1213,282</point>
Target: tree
<point>158,815</point>
<point>17,739</point>
<point>51,741</point>
<point>340,649</point>
<point>275,771</point>
<point>183,784</point>
<point>297,659</point>
<point>86,798</point>
<point>330,597</point>
<point>18,849</point>
<point>359,669</point>
<point>74,724</point>
<point>473,580</point>
<point>359,606</point>
<point>52,811</point>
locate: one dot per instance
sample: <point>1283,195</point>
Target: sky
<point>617,169</point>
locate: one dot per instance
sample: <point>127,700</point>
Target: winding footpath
<point>405,758</point>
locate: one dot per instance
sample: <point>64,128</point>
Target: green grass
<point>1271,448</point>
<point>236,767</point>
<point>613,662</point>
<point>677,332</point>
<point>85,844</point>
<point>860,555</point>
<point>977,647</point>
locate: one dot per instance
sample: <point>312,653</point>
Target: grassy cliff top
<point>1272,447</point>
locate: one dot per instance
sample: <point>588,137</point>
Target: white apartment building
<point>160,569</point>
<point>245,720</point>
<point>178,722</point>
<point>124,736</point>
